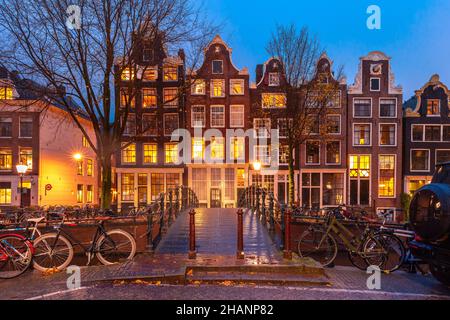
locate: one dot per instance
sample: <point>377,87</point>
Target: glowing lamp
<point>77,156</point>
<point>257,165</point>
<point>22,168</point>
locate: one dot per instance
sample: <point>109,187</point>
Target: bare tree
<point>309,92</point>
<point>81,64</point>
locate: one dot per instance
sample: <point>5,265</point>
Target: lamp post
<point>256,167</point>
<point>21,170</point>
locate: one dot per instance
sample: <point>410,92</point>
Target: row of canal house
<point>376,151</point>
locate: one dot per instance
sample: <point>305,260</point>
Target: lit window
<point>6,93</point>
<point>26,157</point>
<point>198,148</point>
<point>5,127</point>
<point>283,155</point>
<point>273,100</point>
<point>171,153</point>
<point>333,149</point>
<point>90,167</point>
<point>237,87</point>
<point>386,183</point>
<point>171,123</point>
<point>217,116</point>
<point>89,193</point>
<point>361,135</point>
<point>262,127</point>
<point>217,148</point>
<point>375,84</point>
<point>198,116</point>
<point>150,74</point>
<point>420,160</point>
<point>263,154</point>
<point>149,124</point>
<point>360,166</point>
<point>80,167</point>
<point>433,107</point>
<point>312,152</point>
<point>387,135</point>
<point>79,193</point>
<point>127,74</point>
<point>217,88</point>
<point>127,186</point>
<point>170,73</point>
<point>362,108</point>
<point>84,142</point>
<point>274,79</point>
<point>198,87</point>
<point>126,100</point>
<point>5,159</point>
<point>150,152</point>
<point>129,153</point>
<point>217,67</point>
<point>236,116</point>
<point>149,99</point>
<point>237,148</point>
<point>388,108</point>
<point>5,192</point>
<point>26,127</point>
<point>170,97</point>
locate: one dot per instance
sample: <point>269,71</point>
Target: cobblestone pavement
<point>347,283</point>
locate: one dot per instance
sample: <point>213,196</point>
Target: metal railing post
<point>169,220</point>
<point>257,201</point>
<point>282,224</point>
<point>150,247</point>
<point>161,212</point>
<point>287,253</point>
<point>177,201</point>
<point>192,249</point>
<point>240,235</point>
<point>263,207</point>
<point>271,212</point>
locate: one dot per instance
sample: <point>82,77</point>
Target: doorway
<point>216,198</point>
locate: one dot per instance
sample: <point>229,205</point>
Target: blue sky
<point>415,33</point>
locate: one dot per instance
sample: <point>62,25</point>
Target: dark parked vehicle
<point>430,218</point>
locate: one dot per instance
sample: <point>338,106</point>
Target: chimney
<point>259,72</point>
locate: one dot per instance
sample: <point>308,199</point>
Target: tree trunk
<point>291,179</point>
<point>106,183</point>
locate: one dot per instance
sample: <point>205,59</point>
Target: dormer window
<point>6,93</point>
<point>217,67</point>
<point>433,108</point>
<point>147,54</point>
<point>375,84</point>
<point>274,79</point>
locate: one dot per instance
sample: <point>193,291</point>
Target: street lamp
<point>256,167</point>
<point>21,170</point>
<point>77,156</point>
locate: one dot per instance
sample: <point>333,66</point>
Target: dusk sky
<point>415,33</point>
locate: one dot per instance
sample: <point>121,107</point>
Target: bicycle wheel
<point>357,259</point>
<point>115,247</point>
<point>374,252</point>
<point>16,254</point>
<point>316,244</point>
<point>52,252</point>
<point>395,251</point>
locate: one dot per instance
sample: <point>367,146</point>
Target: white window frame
<point>256,153</point>
<point>359,178</point>
<point>433,125</point>
<point>423,132</point>
<point>255,134</point>
<point>176,68</point>
<point>271,83</point>
<point>241,112</point>
<point>278,124</point>
<point>273,107</point>
<point>212,88</point>
<point>395,176</point>
<point>212,66</point>
<point>242,82</point>
<point>164,122</point>
<point>433,115</point>
<point>371,108</point>
<point>395,134</point>
<point>155,93</point>
<point>211,116</point>
<point>379,84</point>
<point>193,93</point>
<point>192,116</point>
<point>340,124</point>
<point>353,135</point>
<point>169,106</point>
<point>340,153</point>
<point>435,154</point>
<point>306,153</point>
<point>232,148</point>
<point>395,108</point>
<point>284,163</point>
<point>410,159</point>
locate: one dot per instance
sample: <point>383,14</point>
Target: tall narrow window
<point>237,87</point>
<point>170,97</point>
<point>375,84</point>
<point>198,117</point>
<point>149,99</point>
<point>5,159</point>
<point>127,186</point>
<point>5,127</point>
<point>150,153</point>
<point>90,167</point>
<point>217,67</point>
<point>127,74</point>
<point>262,127</point>
<point>198,87</point>
<point>237,148</point>
<point>361,135</point>
<point>417,133</point>
<point>217,148</point>
<point>171,123</point>
<point>333,124</point>
<point>420,160</point>
<point>433,107</point>
<point>388,108</point>
<point>387,135</point>
<point>6,93</point>
<point>171,153</point>
<point>198,148</point>
<point>80,167</point>
<point>283,155</point>
<point>84,142</point>
<point>130,126</point>
<point>236,116</point>
<point>80,193</point>
<point>26,157</point>
<point>129,153</point>
<point>26,127</point>
<point>263,154</point>
<point>89,193</point>
<point>5,193</point>
<point>127,98</point>
<point>359,180</point>
<point>157,185</point>
<point>149,124</point>
<point>217,88</point>
<point>333,152</point>
<point>386,182</point>
<point>217,116</point>
<point>274,79</point>
<point>312,152</point>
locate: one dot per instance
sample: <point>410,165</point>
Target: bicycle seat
<point>102,218</point>
<point>36,220</point>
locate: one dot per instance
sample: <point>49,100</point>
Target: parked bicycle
<point>55,250</point>
<point>16,253</point>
